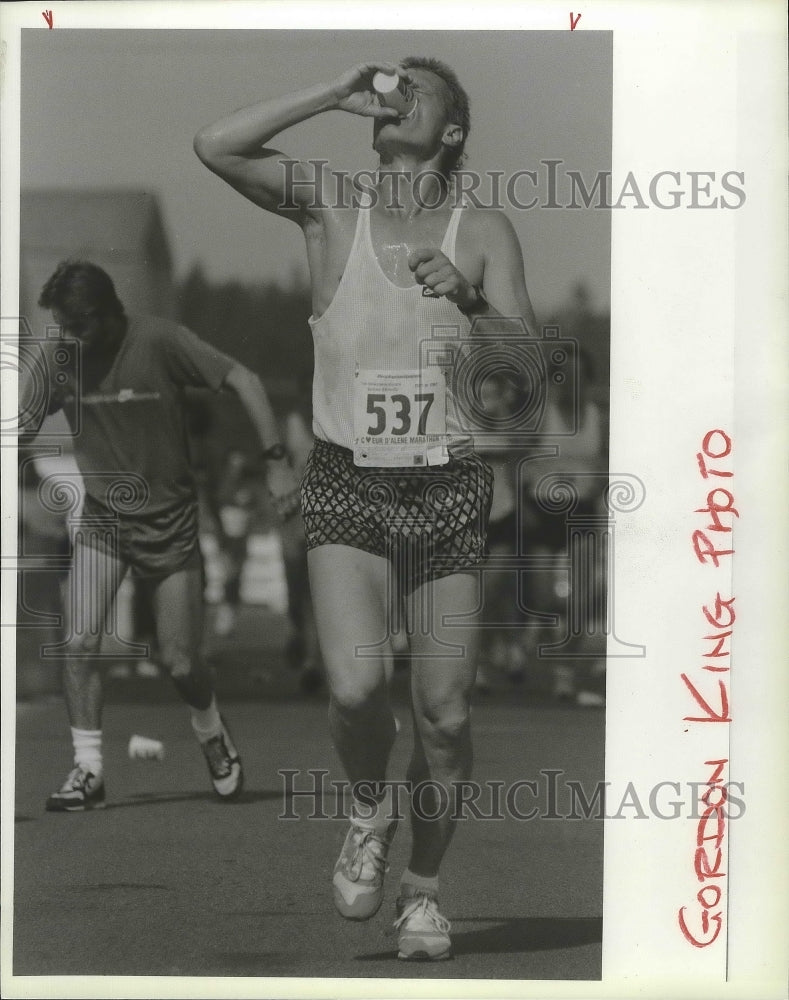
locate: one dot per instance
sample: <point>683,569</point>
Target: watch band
<point>479,305</point>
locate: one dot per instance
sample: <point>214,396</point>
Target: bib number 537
<point>395,414</point>
<point>399,418</point>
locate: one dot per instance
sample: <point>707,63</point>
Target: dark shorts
<point>153,545</point>
<point>429,523</point>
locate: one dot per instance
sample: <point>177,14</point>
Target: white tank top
<point>374,324</point>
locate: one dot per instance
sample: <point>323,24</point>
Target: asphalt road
<point>167,881</point>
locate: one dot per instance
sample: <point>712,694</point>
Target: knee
<point>444,722</point>
<point>349,699</point>
<point>356,685</point>
<point>179,661</point>
<point>82,646</point>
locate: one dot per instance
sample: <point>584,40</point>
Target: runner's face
<point>89,326</point>
<point>423,130</point>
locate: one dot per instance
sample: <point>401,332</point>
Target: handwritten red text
<point>701,922</point>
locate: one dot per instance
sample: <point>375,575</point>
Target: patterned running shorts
<point>428,522</point>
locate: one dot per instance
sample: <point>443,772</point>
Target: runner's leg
<point>178,608</point>
<point>94,579</point>
<point>351,603</point>
<point>440,687</point>
<point>349,595</point>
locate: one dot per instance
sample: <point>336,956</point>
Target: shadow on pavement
<point>517,934</point>
<point>254,963</point>
<point>148,799</point>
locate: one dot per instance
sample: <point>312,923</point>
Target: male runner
<point>371,258</point>
<point>131,448</point>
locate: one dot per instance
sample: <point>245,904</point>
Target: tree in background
<point>265,327</point>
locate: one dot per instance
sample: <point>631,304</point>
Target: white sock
<point>87,750</point>
<point>206,722</point>
<point>410,881</point>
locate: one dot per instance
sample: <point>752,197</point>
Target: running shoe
<point>81,791</point>
<point>224,765</point>
<point>359,873</point>
<point>423,932</point>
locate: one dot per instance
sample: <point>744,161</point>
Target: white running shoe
<point>358,880</point>
<point>224,765</point>
<point>423,931</point>
<point>82,790</point>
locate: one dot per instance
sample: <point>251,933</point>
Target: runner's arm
<point>504,284</point>
<point>502,291</point>
<point>235,148</point>
<point>280,479</point>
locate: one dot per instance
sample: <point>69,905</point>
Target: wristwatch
<point>479,305</point>
<point>274,453</point>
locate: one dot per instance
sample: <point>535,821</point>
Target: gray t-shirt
<point>131,419</point>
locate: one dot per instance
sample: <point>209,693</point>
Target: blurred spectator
<point>573,423</point>
<point>236,501</point>
<point>502,399</point>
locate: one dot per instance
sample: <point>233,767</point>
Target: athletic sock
<point>206,722</point>
<point>411,883</point>
<point>87,750</point>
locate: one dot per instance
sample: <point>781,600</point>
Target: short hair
<point>75,284</point>
<point>457,106</point>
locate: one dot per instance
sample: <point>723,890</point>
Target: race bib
<point>400,418</point>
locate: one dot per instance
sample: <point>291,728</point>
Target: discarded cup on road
<point>143,748</point>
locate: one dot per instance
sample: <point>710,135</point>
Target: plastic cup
<point>394,92</point>
<point>144,748</point>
